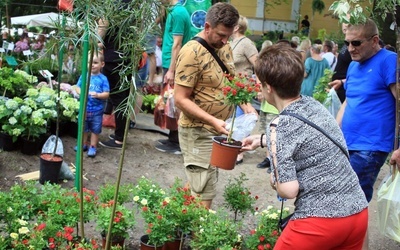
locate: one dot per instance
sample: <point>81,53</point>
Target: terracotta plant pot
<point>223,154</point>
<point>144,246</point>
<point>177,244</point>
<point>50,168</point>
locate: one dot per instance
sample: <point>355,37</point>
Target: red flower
<point>145,209</point>
<point>256,197</point>
<point>268,246</point>
<point>119,214</point>
<point>260,247</point>
<point>184,211</point>
<point>262,238</point>
<point>60,212</point>
<point>25,242</point>
<point>252,232</point>
<point>116,219</point>
<point>274,233</point>
<point>40,227</point>
<point>148,231</point>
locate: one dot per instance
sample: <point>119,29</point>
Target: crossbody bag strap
<point>212,51</point>
<point>317,128</point>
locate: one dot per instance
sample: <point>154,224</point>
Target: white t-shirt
<point>331,58</point>
<point>158,54</point>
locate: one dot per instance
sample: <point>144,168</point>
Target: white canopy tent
<point>44,20</point>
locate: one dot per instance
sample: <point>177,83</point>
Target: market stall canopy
<point>50,20</point>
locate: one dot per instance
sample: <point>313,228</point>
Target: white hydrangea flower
<point>12,120</point>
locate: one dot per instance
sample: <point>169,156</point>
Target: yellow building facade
<point>286,16</point>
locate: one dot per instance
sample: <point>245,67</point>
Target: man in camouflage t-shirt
<point>198,83</point>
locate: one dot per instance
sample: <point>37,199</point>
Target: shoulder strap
<point>317,128</point>
<point>212,51</point>
<point>238,42</point>
<point>334,60</point>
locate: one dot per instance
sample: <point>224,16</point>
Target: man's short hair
<point>368,28</point>
<point>329,45</point>
<point>222,13</point>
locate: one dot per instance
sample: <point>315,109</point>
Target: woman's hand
<point>250,143</point>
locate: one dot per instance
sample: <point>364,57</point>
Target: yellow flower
<point>22,222</point>
<point>212,211</point>
<point>136,198</point>
<point>14,236</point>
<point>167,199</point>
<point>9,210</point>
<point>144,202</point>
<point>23,230</point>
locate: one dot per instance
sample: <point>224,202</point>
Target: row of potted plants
<point>29,117</point>
<point>40,217</point>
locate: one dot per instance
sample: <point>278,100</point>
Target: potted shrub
<point>238,90</point>
<point>238,198</point>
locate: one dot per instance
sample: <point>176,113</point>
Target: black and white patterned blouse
<point>329,187</point>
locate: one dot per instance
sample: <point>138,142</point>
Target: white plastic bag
<point>389,207</point>
<point>332,102</point>
<point>48,147</point>
<point>243,125</point>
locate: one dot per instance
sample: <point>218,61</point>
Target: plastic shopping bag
<point>332,102</point>
<point>389,207</point>
<point>243,125</point>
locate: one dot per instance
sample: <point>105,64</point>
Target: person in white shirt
<point>328,54</point>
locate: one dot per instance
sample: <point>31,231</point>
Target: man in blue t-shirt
<point>367,116</point>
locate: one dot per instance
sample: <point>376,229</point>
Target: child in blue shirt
<point>99,90</point>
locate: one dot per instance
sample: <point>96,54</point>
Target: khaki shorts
<point>196,144</point>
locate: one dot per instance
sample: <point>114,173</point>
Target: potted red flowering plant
<point>123,220</point>
<point>238,90</point>
<point>266,232</point>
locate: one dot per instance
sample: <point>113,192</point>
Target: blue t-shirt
<point>98,83</point>
<point>369,118</point>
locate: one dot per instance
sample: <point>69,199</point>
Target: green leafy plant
<point>216,231</point>
<point>239,90</point>
<point>265,234</point>
<point>106,193</point>
<point>148,193</point>
<point>321,89</point>
<point>238,198</point>
<point>150,100</point>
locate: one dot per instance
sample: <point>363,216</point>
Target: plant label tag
<point>27,52</point>
<point>45,73</point>
<point>10,46</point>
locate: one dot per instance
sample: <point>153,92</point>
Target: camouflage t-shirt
<point>197,68</point>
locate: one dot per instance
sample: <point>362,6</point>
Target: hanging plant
<point>317,5</point>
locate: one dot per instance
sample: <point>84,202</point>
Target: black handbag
<point>282,223</point>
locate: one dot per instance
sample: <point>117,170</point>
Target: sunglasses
<point>357,43</point>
